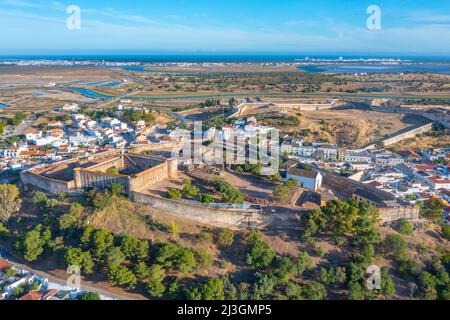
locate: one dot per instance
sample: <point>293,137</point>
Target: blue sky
<point>153,26</point>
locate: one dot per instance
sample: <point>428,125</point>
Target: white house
<point>70,107</point>
<point>360,165</point>
<point>32,136</point>
<point>307,179</point>
<point>438,184</point>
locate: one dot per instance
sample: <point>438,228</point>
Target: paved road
<point>61,282</point>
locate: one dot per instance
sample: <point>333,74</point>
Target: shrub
<point>225,237</point>
<point>204,258</point>
<point>405,227</point>
<point>205,236</point>
<point>190,190</point>
<point>173,194</point>
<point>446,231</point>
<point>205,198</point>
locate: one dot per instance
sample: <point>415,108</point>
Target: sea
<point>225,58</point>
<point>316,63</point>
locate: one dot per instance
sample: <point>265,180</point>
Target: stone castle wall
<point>405,135</point>
<point>87,179</point>
<point>47,184</point>
<point>391,215</point>
<point>235,219</point>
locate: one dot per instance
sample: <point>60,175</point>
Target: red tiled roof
<point>32,295</point>
<point>425,167</point>
<point>4,265</point>
<point>441,181</point>
<point>49,294</point>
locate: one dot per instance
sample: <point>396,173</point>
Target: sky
<point>408,27</point>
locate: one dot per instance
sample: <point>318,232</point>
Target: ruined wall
<point>222,218</point>
<point>391,215</point>
<point>46,184</point>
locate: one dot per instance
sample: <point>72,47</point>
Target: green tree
<point>89,296</point>
<point>396,245</point>
<point>102,242</point>
<point>9,201</point>
<point>134,248</point>
<point>33,243</point>
<point>176,258</point>
<point>3,230</point>
<point>212,290</point>
<point>408,268</point>
<point>72,219</point>
<point>114,256</point>
<point>304,263</point>
<point>342,216</point>
<point>427,286</point>
<point>432,209</point>
<point>387,284</point>
<point>155,285</point>
<point>186,261</point>
<point>259,253</point>
<point>122,276</point>
<point>314,291</point>
<point>356,291</point>
<point>228,193</point>
<point>293,291</point>
<point>314,222</point>
<point>141,270</point>
<point>83,260</point>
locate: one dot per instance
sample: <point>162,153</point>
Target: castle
<point>100,171</point>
